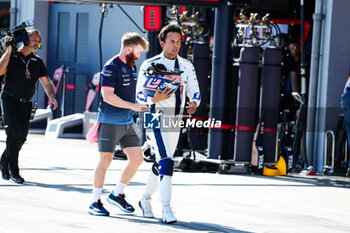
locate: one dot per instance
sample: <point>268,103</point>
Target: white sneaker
<point>145,205</point>
<point>168,216</point>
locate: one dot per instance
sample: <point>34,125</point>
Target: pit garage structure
<point>329,62</point>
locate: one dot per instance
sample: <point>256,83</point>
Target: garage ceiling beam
<point>208,3</point>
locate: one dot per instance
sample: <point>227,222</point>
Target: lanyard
<point>27,72</point>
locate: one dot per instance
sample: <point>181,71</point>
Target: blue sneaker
<point>97,209</point>
<point>120,202</point>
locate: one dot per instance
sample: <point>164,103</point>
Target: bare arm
<point>49,90</point>
<point>295,81</point>
<point>111,98</point>
<point>4,60</point>
<point>192,107</point>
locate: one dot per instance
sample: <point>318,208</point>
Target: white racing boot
<point>145,205</point>
<point>164,198</point>
<point>151,188</point>
<point>168,216</point>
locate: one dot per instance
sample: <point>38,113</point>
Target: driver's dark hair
<point>169,28</point>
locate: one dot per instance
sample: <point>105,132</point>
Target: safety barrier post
<point>328,170</point>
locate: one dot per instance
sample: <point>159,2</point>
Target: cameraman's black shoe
<point>5,174</point>
<point>17,179</point>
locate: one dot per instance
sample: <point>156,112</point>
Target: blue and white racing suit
<point>164,140</point>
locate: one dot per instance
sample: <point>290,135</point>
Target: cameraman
<point>22,69</point>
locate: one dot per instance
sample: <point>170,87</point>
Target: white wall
<point>334,69</point>
<point>25,10</point>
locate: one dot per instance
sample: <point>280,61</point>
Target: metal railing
<point>328,170</point>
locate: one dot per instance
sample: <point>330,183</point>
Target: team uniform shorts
<point>109,135</point>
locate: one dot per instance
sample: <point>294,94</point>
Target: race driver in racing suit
<point>171,105</point>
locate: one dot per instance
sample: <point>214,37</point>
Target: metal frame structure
<point>209,3</point>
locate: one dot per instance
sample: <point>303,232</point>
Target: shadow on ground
<point>181,225</point>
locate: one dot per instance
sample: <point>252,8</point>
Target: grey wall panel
<point>63,36</point>
<point>80,93</point>
<point>82,36</point>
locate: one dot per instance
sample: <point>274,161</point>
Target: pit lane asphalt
<point>57,193</point>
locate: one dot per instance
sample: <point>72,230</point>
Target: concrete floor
<point>57,193</point>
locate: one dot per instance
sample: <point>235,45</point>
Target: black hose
<point>103,11</point>
<point>131,19</point>
<point>177,16</point>
<point>302,55</point>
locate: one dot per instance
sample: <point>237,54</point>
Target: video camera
<point>18,34</point>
